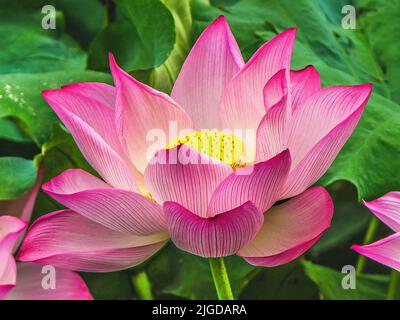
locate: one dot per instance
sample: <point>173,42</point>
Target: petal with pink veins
<point>272,132</point>
<point>189,181</point>
<point>259,183</point>
<point>242,104</point>
<point>290,229</point>
<point>68,240</point>
<point>275,89</point>
<point>117,209</point>
<point>10,230</point>
<point>8,272</point>
<point>303,84</point>
<point>283,257</point>
<point>387,209</point>
<point>385,251</point>
<point>271,136</point>
<point>95,113</point>
<point>319,158</point>
<point>322,112</point>
<point>219,236</point>
<point>68,285</point>
<point>5,289</point>
<point>139,109</point>
<point>211,64</point>
<point>102,92</point>
<point>91,124</point>
<point>314,143</point>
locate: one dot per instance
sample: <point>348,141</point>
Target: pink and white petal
<point>219,236</point>
<point>185,176</point>
<point>273,131</point>
<point>385,251</point>
<point>91,122</point>
<point>68,285</point>
<point>68,240</point>
<point>387,209</point>
<point>93,112</point>
<point>10,230</point>
<point>303,84</point>
<point>319,114</point>
<point>82,105</point>
<point>284,257</point>
<point>4,290</point>
<point>107,162</point>
<point>291,228</point>
<point>102,92</point>
<point>139,109</point>
<point>8,272</point>
<point>259,183</point>
<point>117,209</point>
<point>315,163</point>
<point>271,137</point>
<point>275,89</point>
<point>103,260</point>
<point>72,181</point>
<point>242,104</point>
<point>211,64</point>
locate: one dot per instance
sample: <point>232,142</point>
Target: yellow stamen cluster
<point>220,145</point>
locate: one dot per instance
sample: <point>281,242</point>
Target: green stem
<point>142,286</point>
<point>393,285</point>
<point>369,237</point>
<point>221,280</point>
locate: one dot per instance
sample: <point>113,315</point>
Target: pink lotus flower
<point>211,209</point>
<point>387,250</point>
<point>20,281</point>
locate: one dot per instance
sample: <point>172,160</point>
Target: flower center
<point>220,145</point>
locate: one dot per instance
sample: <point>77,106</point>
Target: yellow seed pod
<point>220,145</point>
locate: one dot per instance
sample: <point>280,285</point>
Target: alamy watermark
<point>49,19</point>
<point>49,280</point>
<point>350,278</point>
<point>349,20</point>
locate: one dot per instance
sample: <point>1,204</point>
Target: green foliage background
<point>150,39</point>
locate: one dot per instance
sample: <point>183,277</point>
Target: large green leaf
<point>28,48</point>
<point>143,38</point>
<point>164,76</point>
<point>284,282</point>
<point>20,97</point>
<point>17,175</point>
<point>329,281</point>
<point>381,23</point>
<point>10,130</point>
<point>154,25</point>
<point>85,23</point>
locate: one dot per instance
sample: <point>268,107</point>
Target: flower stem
<point>393,285</point>
<point>369,237</point>
<point>221,280</point>
<point>142,286</point>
